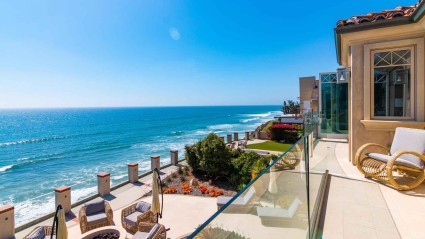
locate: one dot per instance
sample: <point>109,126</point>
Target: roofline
<point>338,31</point>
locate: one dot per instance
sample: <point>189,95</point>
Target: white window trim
<point>417,78</point>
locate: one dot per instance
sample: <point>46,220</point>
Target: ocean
<point>41,149</point>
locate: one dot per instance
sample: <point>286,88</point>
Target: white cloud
<point>174,33</point>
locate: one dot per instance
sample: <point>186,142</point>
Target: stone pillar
<point>174,157</point>
<point>103,184</point>
<point>133,172</point>
<point>246,135</point>
<point>236,136</point>
<point>7,222</point>
<point>63,197</point>
<point>229,138</point>
<point>155,162</point>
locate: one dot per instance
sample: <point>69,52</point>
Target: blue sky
<point>162,53</point>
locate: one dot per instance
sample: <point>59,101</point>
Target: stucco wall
<point>361,128</point>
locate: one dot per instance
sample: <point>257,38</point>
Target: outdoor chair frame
<point>384,171</point>
<point>147,216</point>
<point>84,227</point>
<point>47,231</point>
<point>161,233</point>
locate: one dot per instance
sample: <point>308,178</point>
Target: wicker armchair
<point>94,215</point>
<point>150,230</point>
<point>134,214</point>
<point>40,232</point>
<point>406,157</point>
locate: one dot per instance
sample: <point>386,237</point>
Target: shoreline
<point>47,198</point>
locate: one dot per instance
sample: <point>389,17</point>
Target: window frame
<point>418,80</point>
<point>412,83</point>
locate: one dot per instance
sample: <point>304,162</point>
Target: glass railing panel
<point>274,205</point>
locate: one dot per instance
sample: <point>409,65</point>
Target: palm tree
<point>291,107</point>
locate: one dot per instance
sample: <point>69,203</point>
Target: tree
<point>210,155</point>
<point>291,107</point>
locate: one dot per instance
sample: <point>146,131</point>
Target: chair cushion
<point>143,206</point>
<point>400,161</point>
<point>95,207</point>
<point>37,234</point>
<point>152,232</point>
<point>132,218</point>
<point>240,201</point>
<point>140,235</point>
<point>412,140</point>
<point>96,218</point>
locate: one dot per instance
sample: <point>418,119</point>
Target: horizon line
<point>117,107</point>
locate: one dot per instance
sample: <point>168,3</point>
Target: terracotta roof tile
<point>378,16</point>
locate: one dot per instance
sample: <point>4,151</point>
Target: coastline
<point>90,190</point>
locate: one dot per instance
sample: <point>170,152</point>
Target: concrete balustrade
<point>229,138</point>
<point>236,136</point>
<point>246,135</point>
<point>103,184</point>
<point>63,198</point>
<point>155,162</point>
<point>174,154</point>
<point>133,172</point>
<point>7,222</point>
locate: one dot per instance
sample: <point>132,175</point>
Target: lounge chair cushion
<point>96,218</point>
<point>152,232</point>
<point>279,212</point>
<point>132,218</point>
<point>140,235</point>
<point>143,206</point>
<point>95,207</point>
<point>240,201</point>
<point>146,235</point>
<point>37,234</point>
<point>400,161</point>
<point>412,140</point>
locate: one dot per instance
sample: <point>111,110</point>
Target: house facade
<point>328,96</point>
<point>384,54</point>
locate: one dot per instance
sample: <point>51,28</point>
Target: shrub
<point>235,180</point>
<point>191,155</point>
<point>183,179</point>
<point>216,233</point>
<point>243,165</point>
<point>174,175</point>
<point>284,132</point>
<point>236,153</point>
<point>215,156</point>
<point>210,155</point>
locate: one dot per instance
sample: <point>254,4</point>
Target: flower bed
<point>179,183</point>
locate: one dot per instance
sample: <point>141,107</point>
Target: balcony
<point>322,197</point>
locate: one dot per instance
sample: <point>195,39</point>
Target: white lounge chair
<point>273,213</point>
<point>240,201</point>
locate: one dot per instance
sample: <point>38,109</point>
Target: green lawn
<point>270,145</point>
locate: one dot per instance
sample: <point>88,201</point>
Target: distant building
<point>329,97</point>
